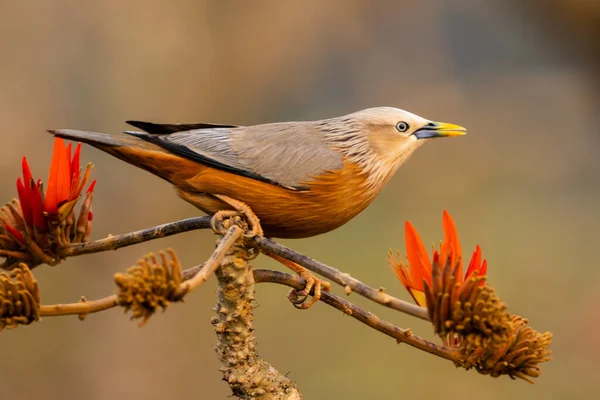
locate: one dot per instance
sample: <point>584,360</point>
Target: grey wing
<point>286,154</point>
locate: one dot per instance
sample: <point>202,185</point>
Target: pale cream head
<point>384,137</point>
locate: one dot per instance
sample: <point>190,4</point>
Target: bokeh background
<point>524,184</point>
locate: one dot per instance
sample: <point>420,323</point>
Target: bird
<point>300,178</point>
<point>290,179</point>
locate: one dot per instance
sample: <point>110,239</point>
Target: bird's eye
<point>402,126</point>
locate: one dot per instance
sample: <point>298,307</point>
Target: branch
<point>264,244</point>
<point>128,239</point>
<point>351,284</point>
<point>210,266</point>
<point>366,317</point>
<point>248,375</point>
<point>192,279</point>
<point>85,307</point>
<point>82,308</point>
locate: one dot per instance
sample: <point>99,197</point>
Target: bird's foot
<point>216,222</point>
<point>300,298</point>
<point>240,208</point>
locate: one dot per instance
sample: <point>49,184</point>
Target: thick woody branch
<point>248,375</point>
<point>366,317</point>
<point>341,278</point>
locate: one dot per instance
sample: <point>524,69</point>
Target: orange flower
<point>64,187</point>
<point>418,270</point>
<point>64,182</point>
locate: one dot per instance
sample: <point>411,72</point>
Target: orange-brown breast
<point>332,200</point>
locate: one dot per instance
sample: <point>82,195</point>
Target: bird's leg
<point>300,298</point>
<point>208,202</point>
<point>241,208</point>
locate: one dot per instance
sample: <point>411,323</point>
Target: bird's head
<point>394,133</point>
<point>384,137</point>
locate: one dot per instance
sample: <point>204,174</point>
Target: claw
<point>216,222</point>
<point>244,209</point>
<point>301,298</point>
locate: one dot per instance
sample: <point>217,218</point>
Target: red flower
<point>419,270</point>
<point>65,185</point>
<point>31,199</point>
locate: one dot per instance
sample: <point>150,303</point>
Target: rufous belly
<point>332,199</point>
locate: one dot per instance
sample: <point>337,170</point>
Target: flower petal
<point>51,203</point>
<point>37,207</point>
<point>64,175</point>
<point>25,200</point>
<point>475,264</point>
<point>15,232</point>
<point>483,270</point>
<point>419,297</point>
<point>418,260</point>
<point>24,191</point>
<point>451,245</point>
<point>75,172</point>
<point>86,176</point>
<point>27,177</point>
<point>404,276</point>
<point>92,186</point>
<point>400,270</point>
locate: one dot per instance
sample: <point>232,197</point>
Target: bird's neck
<point>376,164</point>
<point>378,169</point>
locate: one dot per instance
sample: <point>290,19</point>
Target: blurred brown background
<point>524,184</point>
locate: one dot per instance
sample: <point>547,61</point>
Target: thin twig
<point>378,296</point>
<point>127,239</point>
<point>93,306</point>
<point>232,235</point>
<point>366,317</point>
<point>81,308</point>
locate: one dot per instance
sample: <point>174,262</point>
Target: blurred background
<point>524,184</point>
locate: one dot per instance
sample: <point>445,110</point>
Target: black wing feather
<point>165,129</point>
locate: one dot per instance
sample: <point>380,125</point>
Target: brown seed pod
<point>149,285</point>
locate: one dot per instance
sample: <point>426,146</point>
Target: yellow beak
<point>439,129</point>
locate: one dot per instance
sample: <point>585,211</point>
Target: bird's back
<point>288,154</point>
